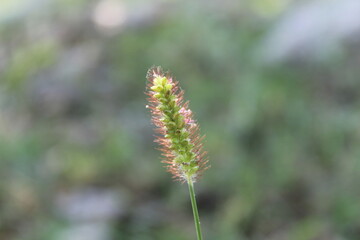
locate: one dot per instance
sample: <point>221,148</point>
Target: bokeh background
<point>275,87</point>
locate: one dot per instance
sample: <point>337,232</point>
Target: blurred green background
<point>275,87</point>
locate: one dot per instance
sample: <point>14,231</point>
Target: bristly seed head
<point>178,133</point>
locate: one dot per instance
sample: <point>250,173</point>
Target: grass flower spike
<point>178,133</point>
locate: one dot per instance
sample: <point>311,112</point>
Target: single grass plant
<point>178,133</point>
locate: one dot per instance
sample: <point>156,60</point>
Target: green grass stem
<point>195,209</point>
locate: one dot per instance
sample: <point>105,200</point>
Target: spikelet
<point>177,131</point>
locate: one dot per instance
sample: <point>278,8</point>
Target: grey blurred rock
<point>89,212</point>
<point>90,205</point>
<point>312,30</point>
<point>88,231</point>
<point>21,9</point>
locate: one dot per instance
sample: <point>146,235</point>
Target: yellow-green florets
<point>178,132</point>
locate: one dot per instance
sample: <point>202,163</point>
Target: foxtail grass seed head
<point>178,133</point>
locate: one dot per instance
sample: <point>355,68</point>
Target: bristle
<point>164,93</point>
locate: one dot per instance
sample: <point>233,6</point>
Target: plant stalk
<point>195,210</point>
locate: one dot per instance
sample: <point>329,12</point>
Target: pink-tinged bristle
<point>190,125</point>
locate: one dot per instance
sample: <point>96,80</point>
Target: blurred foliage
<point>283,138</point>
